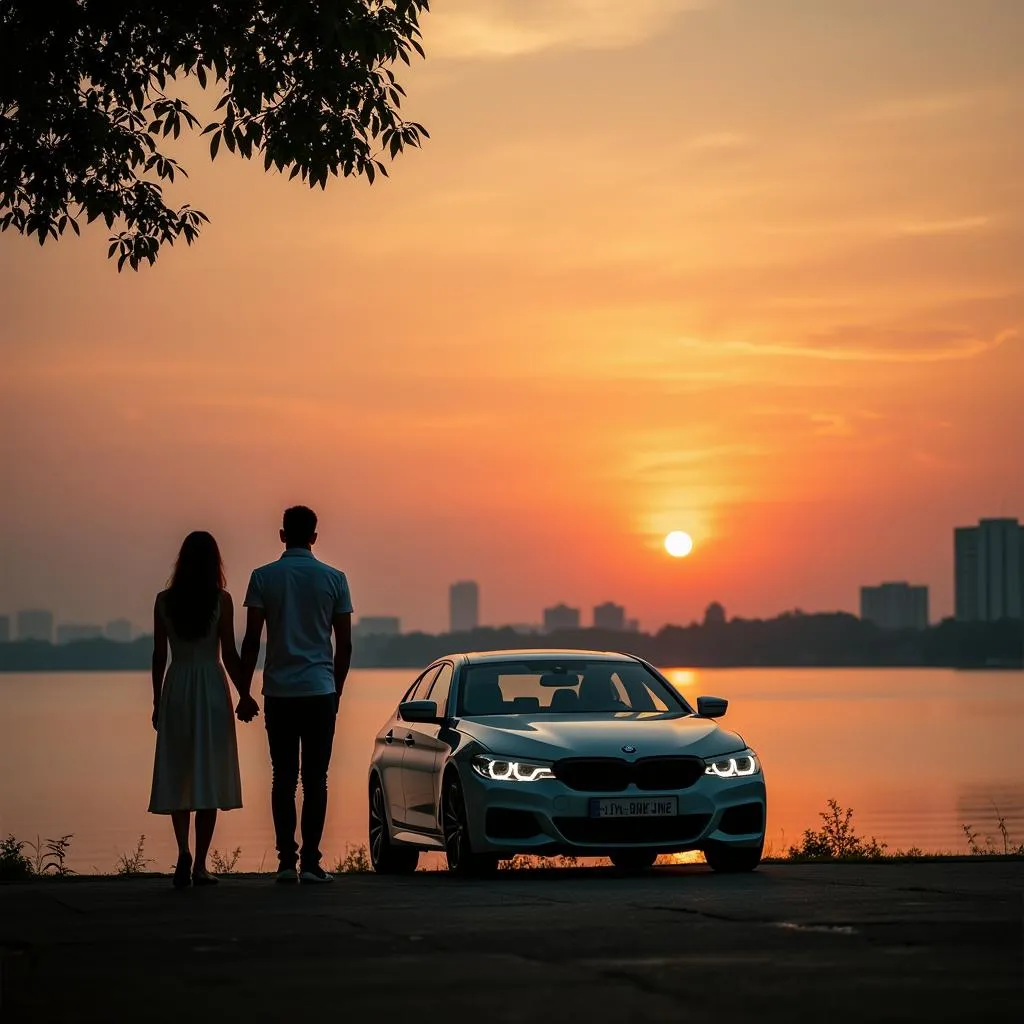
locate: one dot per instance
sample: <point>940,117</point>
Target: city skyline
<point>991,550</point>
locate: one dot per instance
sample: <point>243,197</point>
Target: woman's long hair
<point>196,583</point>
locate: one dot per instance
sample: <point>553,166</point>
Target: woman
<point>196,767</point>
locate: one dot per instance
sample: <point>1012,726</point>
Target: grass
<point>225,863</point>
<point>355,862</point>
<point>135,862</point>
<point>835,841</point>
<point>1010,849</point>
<point>529,862</point>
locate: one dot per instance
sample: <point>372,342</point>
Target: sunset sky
<point>752,269</point>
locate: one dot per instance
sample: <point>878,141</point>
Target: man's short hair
<point>299,525</point>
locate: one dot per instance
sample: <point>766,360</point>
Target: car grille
<point>613,774</point>
<point>680,828</point>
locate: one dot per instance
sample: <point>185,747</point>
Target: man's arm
<point>254,620</point>
<point>342,625</point>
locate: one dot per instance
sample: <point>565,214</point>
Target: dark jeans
<point>295,723</point>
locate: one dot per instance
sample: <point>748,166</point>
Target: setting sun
<point>678,544</point>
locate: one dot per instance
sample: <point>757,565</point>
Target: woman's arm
<point>159,658</point>
<point>247,708</point>
<point>228,650</point>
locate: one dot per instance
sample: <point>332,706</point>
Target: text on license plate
<point>623,807</point>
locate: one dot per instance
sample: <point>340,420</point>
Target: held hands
<point>247,708</point>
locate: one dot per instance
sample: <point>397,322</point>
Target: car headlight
<point>732,767</point>
<point>505,769</point>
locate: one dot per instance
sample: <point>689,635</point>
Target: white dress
<point>196,765</point>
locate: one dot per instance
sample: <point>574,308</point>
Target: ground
<point>821,943</point>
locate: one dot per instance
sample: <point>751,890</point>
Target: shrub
<point>225,864</point>
<point>836,839</point>
<point>14,865</point>
<point>1010,849</point>
<point>133,863</point>
<point>355,862</point>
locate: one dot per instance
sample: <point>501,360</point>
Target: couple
<point>303,602</point>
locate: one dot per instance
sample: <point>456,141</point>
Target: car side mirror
<point>711,707</point>
<point>418,711</point>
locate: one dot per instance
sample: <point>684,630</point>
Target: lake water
<point>915,753</point>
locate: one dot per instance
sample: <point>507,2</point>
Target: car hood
<point>550,737</point>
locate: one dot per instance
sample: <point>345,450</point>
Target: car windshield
<point>564,688</point>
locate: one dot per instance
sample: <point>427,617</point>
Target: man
<point>302,601</point>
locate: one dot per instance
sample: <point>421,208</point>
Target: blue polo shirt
<point>300,595</point>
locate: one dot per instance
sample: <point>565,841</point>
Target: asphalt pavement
<point>822,943</point>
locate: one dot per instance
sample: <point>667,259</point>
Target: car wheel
<point>634,862</point>
<point>733,859</point>
<point>386,858</point>
<point>457,846</point>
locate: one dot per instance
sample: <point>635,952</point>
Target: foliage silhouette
<point>355,862</point>
<point>14,865</point>
<point>836,839</point>
<point>133,863</point>
<point>49,856</point>
<point>91,91</point>
<point>225,863</point>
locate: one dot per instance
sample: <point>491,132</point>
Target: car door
<point>390,753</point>
<point>424,757</point>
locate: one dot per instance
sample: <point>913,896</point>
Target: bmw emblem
<point>629,749</point>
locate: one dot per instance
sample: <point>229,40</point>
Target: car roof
<point>542,654</point>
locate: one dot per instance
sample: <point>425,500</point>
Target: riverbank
<point>927,941</point>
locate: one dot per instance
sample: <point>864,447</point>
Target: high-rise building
<point>35,624</point>
<point>895,606</point>
<point>989,570</point>
<point>120,630</point>
<point>561,618</point>
<point>70,632</point>
<point>378,625</point>
<point>463,606</point>
<point>5,629</point>
<point>610,616</point>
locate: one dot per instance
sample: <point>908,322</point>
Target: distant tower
<point>895,606</point>
<point>989,570</point>
<point>561,619</point>
<point>610,616</point>
<point>714,614</point>
<point>35,624</point>
<point>463,606</point>
<point>119,630</point>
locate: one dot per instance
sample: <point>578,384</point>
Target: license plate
<point>624,807</point>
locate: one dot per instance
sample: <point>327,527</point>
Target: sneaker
<point>316,876</point>
<point>286,876</point>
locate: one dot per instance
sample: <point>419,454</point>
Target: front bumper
<point>547,817</point>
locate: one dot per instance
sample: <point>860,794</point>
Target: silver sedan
<point>559,752</point>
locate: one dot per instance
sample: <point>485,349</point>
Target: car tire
<point>385,857</point>
<point>633,862</point>
<point>733,860</point>
<point>458,848</point>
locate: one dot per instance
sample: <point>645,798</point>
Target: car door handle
<point>389,736</point>
<point>409,741</point>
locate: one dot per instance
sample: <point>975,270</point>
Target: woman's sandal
<point>201,878</point>
<point>183,873</point>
